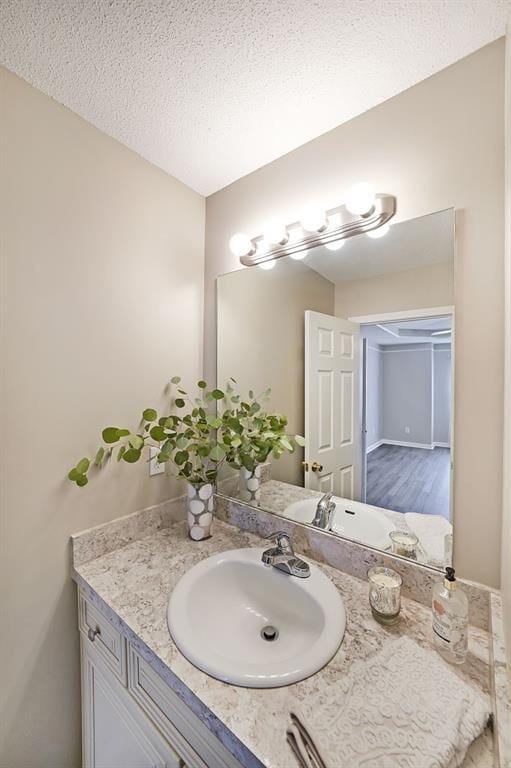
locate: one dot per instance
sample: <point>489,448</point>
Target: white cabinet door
<point>332,419</point>
<point>116,733</point>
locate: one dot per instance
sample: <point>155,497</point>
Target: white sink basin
<point>220,608</point>
<point>352,519</point>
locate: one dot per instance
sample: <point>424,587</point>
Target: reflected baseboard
<point>405,444</point>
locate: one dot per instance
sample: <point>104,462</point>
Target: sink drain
<point>269,633</point>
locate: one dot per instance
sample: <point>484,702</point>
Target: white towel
<point>403,708</point>
<point>431,531</point>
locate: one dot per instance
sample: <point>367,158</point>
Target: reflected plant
<point>195,445</point>
<point>249,433</point>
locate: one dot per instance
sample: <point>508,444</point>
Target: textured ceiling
<point>210,90</point>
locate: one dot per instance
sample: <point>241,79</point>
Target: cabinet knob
<point>317,467</point>
<point>91,634</point>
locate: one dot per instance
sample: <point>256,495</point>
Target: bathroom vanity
<point>144,704</point>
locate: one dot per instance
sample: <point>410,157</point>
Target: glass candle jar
<point>384,594</point>
<point>404,543</point>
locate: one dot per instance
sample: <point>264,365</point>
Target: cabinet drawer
<point>196,744</point>
<point>106,639</point>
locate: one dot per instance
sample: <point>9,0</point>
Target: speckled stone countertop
<point>132,586</point>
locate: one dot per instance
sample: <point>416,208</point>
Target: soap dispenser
<point>450,619</point>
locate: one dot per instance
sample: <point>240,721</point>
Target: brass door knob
<point>305,466</point>
<point>316,467</point>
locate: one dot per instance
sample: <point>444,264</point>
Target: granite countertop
<point>132,585</point>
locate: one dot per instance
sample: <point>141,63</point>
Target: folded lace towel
<point>403,708</point>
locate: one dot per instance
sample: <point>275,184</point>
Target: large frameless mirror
<point>356,341</point>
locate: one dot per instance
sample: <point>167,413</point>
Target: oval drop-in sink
<point>255,626</point>
<point>352,519</point>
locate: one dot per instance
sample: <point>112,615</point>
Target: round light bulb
<point>313,219</point>
<point>267,264</point>
<point>360,199</point>
<point>240,244</point>
<point>335,246</point>
<point>275,232</point>
<point>299,256</point>
<point>375,234</point>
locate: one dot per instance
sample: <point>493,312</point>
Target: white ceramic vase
<point>250,485</point>
<point>201,506</point>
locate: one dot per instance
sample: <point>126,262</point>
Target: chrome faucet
<point>282,556</point>
<point>324,512</point>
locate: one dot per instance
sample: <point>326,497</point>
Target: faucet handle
<point>282,540</point>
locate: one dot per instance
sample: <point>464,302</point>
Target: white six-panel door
<point>332,420</point>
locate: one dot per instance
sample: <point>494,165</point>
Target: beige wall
<point>438,145</point>
<point>261,339</point>
<point>431,286</point>
<point>506,511</point>
<point>102,296</point>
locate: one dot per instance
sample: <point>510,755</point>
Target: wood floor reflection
<point>409,479</point>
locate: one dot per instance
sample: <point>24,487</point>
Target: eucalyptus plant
<point>194,441</point>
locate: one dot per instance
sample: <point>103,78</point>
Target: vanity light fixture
<point>360,199</point>
<point>275,233</point>
<point>314,219</point>
<point>363,212</point>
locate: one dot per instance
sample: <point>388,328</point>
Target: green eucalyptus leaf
<point>121,452</point>
<point>83,466</point>
<point>131,455</point>
<point>180,403</point>
<point>181,457</point>
<point>136,442</point>
<point>175,379</point>
<point>299,440</point>
<point>202,384</point>
<point>110,434</point>
<point>81,481</point>
<point>286,443</point>
<point>217,394</point>
<point>217,453</point>
<point>158,433</point>
<point>73,475</point>
<point>123,432</point>
<point>99,457</point>
<point>150,414</point>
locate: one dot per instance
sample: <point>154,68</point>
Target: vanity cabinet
<point>130,716</point>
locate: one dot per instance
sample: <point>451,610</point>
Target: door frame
<point>413,314</point>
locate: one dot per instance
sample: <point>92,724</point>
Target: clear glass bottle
<point>450,619</point>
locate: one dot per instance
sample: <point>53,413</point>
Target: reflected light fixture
<point>364,212</point>
<point>377,233</point>
<point>314,219</point>
<point>335,246</point>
